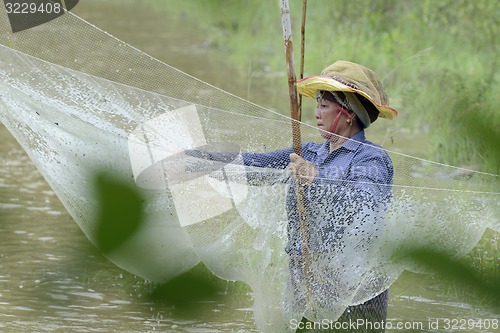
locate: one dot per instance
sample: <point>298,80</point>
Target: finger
<point>294,157</point>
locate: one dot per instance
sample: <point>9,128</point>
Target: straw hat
<point>349,77</point>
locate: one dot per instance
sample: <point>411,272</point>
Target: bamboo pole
<point>296,139</point>
<point>292,80</point>
<point>302,50</point>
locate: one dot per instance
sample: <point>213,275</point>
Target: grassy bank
<point>438,59</point>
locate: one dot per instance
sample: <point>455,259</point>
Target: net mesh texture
<point>214,171</point>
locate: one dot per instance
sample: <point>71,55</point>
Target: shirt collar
<point>354,142</point>
<point>351,144</point>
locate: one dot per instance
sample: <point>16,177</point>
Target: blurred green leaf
<point>485,132</point>
<point>186,291</point>
<point>455,271</point>
<point>119,212</point>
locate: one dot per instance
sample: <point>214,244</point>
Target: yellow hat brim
<point>309,86</point>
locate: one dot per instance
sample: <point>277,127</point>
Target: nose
<point>318,113</point>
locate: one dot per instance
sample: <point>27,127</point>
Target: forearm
<point>259,168</point>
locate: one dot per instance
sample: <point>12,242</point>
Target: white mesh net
<point>213,168</point>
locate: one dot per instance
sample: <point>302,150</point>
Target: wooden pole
<point>302,50</point>
<point>292,80</point>
<point>297,142</point>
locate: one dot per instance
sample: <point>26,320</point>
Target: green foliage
<point>186,291</point>
<point>483,130</point>
<point>474,278</point>
<point>454,271</point>
<point>435,56</point>
<point>484,260</point>
<point>468,128</point>
<point>119,213</point>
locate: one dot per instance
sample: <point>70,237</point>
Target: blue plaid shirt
<point>354,179</point>
<point>353,186</point>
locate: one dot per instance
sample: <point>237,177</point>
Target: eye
<point>323,105</point>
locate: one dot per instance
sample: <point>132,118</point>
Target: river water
<point>52,278</point>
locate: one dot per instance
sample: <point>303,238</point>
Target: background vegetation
<point>438,58</point>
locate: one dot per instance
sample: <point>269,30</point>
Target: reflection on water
<point>53,280</point>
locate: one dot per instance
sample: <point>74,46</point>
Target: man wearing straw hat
<point>345,171</point>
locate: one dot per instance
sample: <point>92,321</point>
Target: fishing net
<point>213,171</point>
